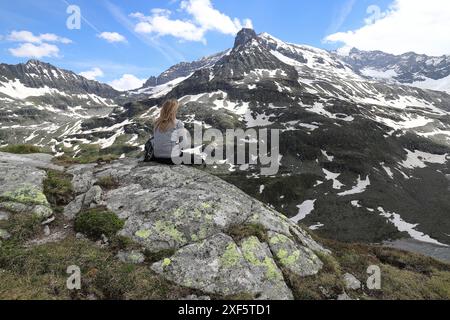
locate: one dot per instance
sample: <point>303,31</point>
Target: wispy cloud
<point>341,16</point>
<point>171,55</point>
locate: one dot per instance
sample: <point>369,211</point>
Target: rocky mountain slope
<point>410,68</point>
<point>37,100</point>
<point>151,231</point>
<point>356,147</point>
<point>361,159</point>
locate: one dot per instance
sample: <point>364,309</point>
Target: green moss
<point>23,149</point>
<point>26,194</point>
<point>96,222</point>
<point>58,188</point>
<point>231,256</point>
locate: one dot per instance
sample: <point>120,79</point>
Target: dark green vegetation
<point>22,149</point>
<point>97,222</point>
<point>58,188</point>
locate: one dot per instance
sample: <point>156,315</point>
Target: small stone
<point>133,257</point>
<point>351,282</point>
<point>4,234</point>
<point>93,196</point>
<point>80,236</point>
<point>73,208</point>
<point>42,211</point>
<point>48,221</point>
<point>195,297</point>
<point>4,215</point>
<point>344,296</point>
<point>47,230</point>
<point>105,239</point>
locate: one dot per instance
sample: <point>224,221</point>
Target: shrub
<point>95,222</point>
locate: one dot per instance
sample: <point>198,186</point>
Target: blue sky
<point>143,38</point>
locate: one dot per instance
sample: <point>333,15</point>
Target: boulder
<point>351,282</point>
<point>186,215</point>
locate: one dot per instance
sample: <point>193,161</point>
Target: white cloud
<point>29,37</point>
<point>408,25</point>
<point>127,82</point>
<point>92,74</point>
<point>209,18</point>
<point>29,50</point>
<point>112,37</point>
<point>203,17</point>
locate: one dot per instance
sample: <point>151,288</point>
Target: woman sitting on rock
<point>169,135</point>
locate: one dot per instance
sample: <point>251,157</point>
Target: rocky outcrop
<point>186,212</point>
<point>190,213</point>
<point>21,184</point>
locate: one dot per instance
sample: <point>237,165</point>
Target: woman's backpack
<point>149,151</point>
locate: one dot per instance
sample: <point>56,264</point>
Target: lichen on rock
<point>26,194</point>
<point>188,215</point>
<point>295,258</point>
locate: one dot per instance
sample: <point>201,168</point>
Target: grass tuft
<point>95,222</point>
<point>58,188</point>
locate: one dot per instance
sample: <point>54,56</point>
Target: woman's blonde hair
<point>167,115</point>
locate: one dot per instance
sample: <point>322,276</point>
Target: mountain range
<point>364,149</point>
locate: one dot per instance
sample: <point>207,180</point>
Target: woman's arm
<point>182,134</point>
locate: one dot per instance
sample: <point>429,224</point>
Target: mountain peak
<point>35,62</point>
<point>244,36</point>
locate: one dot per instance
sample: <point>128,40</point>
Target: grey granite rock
<point>351,282</point>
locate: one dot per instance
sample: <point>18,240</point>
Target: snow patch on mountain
<point>304,209</point>
<point>409,228</point>
<point>337,185</point>
<point>442,84</point>
<point>361,186</point>
<point>419,159</point>
<point>379,74</point>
